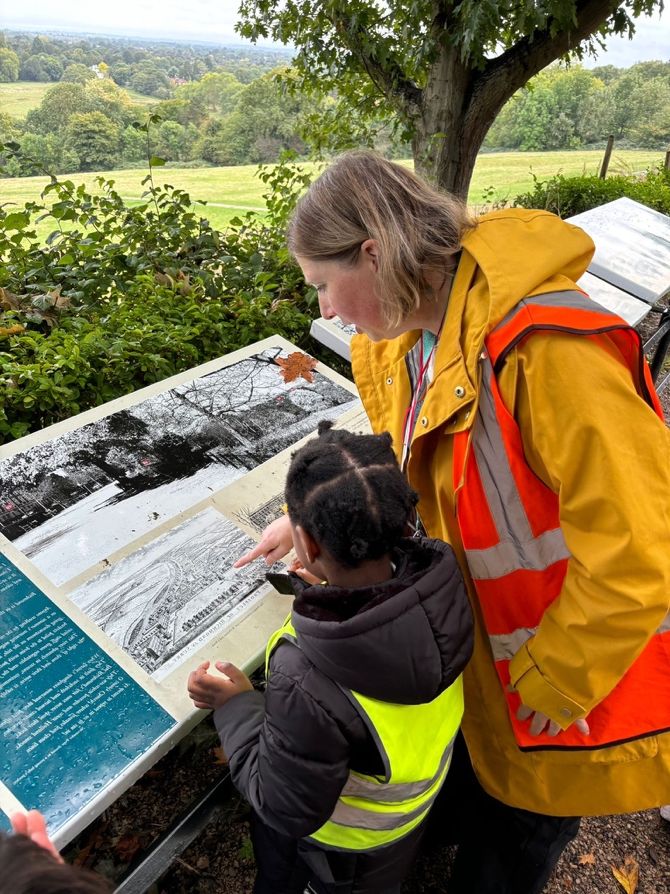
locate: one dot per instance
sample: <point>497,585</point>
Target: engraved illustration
<point>164,600</point>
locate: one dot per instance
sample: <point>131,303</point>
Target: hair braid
<point>348,492</point>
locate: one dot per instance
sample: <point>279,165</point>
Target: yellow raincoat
<point>589,437</point>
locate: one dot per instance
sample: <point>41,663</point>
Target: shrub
<point>132,295</point>
<point>567,196</point>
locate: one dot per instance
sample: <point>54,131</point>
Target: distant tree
<point>442,70</point>
<point>52,66</point>
<point>650,124</point>
<point>9,66</point>
<point>51,152</point>
<point>175,142</point>
<point>33,70</point>
<point>606,73</point>
<point>104,96</point>
<point>39,45</point>
<point>148,79</point>
<point>120,73</point>
<point>547,114</point>
<point>103,68</point>
<point>183,111</point>
<point>134,146</point>
<point>266,120</point>
<point>58,104</point>
<point>95,139</point>
<point>77,73</point>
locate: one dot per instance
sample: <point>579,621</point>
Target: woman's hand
<point>277,540</point>
<point>212,693</point>
<point>540,721</point>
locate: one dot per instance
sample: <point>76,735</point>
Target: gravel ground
<point>220,860</point>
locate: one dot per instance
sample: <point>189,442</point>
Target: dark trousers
<point>287,866</point>
<point>501,849</point>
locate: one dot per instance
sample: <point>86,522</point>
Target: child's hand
<point>212,693</point>
<point>33,826</point>
<point>298,568</point>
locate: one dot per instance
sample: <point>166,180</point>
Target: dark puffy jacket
<point>403,641</point>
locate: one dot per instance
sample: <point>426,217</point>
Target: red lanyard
<point>409,421</point>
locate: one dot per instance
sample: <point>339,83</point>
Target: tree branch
<point>507,73</point>
<point>389,79</point>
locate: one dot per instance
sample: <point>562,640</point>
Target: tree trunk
<point>459,104</point>
<point>456,115</point>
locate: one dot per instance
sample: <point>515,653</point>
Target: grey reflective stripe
<point>360,818</point>
<point>358,787</point>
<point>518,548</point>
<point>505,645</point>
<point>571,298</point>
<point>503,558</point>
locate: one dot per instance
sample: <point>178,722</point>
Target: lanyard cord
<point>409,422</point>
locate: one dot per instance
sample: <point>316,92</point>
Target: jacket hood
<point>503,243</point>
<point>402,641</point>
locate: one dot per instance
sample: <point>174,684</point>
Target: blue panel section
<point>5,825</point>
<point>71,720</point>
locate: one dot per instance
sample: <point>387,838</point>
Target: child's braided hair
<point>348,493</point>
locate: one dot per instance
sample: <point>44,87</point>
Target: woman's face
<point>350,293</point>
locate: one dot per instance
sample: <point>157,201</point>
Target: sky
<point>214,21</point>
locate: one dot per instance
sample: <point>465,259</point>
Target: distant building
<point>177,82</point>
<point>96,71</point>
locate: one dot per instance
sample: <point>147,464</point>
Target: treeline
<point>232,111</point>
<point>152,69</point>
<point>94,126</point>
<point>572,108</point>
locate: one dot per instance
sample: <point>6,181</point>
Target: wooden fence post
<point>606,159</point>
<point>667,159</point>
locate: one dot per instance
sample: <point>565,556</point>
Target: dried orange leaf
<point>220,756</point>
<point>587,858</point>
<point>127,846</point>
<point>296,365</point>
<point>627,875</point>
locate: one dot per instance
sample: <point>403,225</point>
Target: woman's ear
<point>308,544</point>
<point>370,253</point>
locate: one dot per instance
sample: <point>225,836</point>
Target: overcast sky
<point>214,20</point>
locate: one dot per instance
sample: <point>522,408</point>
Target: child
<point>30,864</point>
<point>344,754</point>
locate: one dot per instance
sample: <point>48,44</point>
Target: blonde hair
<point>363,196</point>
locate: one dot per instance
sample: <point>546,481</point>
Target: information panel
<point>632,247</point>
<point>118,532</point>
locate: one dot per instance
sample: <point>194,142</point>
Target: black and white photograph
<point>71,502</point>
<point>163,601</point>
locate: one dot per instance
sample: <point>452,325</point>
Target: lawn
<point>19,98</point>
<point>230,191</point>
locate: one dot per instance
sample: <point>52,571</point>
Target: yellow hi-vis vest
<point>415,743</point>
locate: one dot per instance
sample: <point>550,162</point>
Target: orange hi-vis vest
<point>509,523</point>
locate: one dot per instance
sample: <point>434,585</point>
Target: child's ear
<point>308,544</point>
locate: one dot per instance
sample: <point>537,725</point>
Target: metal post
<point>606,159</point>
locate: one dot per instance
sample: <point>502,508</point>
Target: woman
<point>524,416</point>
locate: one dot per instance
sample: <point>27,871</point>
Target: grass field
<point>19,98</point>
<point>230,191</point>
